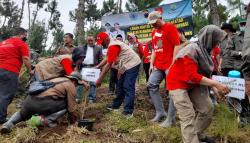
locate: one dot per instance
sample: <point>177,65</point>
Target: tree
<point>140,5</point>
<point>199,16</point>
<point>21,14</point>
<point>39,5</point>
<point>37,36</point>
<point>54,20</point>
<point>109,7</point>
<point>214,12</point>
<point>8,10</point>
<point>57,40</point>
<point>86,13</point>
<point>223,14</point>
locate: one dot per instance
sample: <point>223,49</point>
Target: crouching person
<point>50,103</point>
<point>189,82</point>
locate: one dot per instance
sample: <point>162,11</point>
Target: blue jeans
<point>8,88</point>
<point>92,91</point>
<point>126,90</point>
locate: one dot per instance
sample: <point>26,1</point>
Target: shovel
<point>86,123</point>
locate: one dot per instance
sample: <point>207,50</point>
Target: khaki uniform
<point>51,68</point>
<point>65,49</point>
<point>127,58</point>
<point>195,110</point>
<point>65,90</point>
<point>232,58</point>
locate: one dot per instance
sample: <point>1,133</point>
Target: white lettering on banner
<point>237,86</point>
<point>90,74</point>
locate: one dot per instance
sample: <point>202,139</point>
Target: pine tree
<point>140,5</point>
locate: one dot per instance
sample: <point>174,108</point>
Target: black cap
<point>228,26</point>
<point>78,54</point>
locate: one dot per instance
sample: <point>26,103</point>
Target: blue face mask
<point>242,28</point>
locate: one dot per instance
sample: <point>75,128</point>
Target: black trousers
<point>113,80</point>
<point>146,67</point>
<point>8,88</point>
<point>42,106</point>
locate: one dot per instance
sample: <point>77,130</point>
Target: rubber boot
<point>14,119</point>
<point>158,104</point>
<point>51,119</point>
<point>171,115</point>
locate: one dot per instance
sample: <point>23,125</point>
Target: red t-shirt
<point>215,53</point>
<point>146,53</point>
<point>112,53</point>
<point>11,52</point>
<point>164,40</point>
<point>183,74</point>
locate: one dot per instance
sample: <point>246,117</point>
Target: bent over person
<point>189,82</point>
<point>127,62</point>
<point>47,103</point>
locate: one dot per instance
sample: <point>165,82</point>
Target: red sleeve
<point>145,51</point>
<point>172,34</point>
<point>67,65</point>
<point>192,71</point>
<point>24,48</point>
<point>112,53</point>
<point>140,49</point>
<point>216,51</point>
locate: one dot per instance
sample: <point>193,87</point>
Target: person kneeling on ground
<point>188,84</point>
<point>52,103</point>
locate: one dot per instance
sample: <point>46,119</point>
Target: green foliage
<point>140,5</point>
<point>223,13</point>
<point>54,21</point>
<point>37,36</point>
<point>109,7</point>
<point>235,21</point>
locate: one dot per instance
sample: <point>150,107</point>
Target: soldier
<point>232,59</point>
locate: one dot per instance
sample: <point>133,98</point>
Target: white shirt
<point>89,59</point>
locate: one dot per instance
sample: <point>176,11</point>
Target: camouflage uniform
<point>232,59</point>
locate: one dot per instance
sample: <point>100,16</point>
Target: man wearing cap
<point>232,59</point>
<point>49,102</point>
<point>164,40</point>
<point>127,62</point>
<point>228,28</point>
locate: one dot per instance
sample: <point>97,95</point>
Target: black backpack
<point>37,87</point>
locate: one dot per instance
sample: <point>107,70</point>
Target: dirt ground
<point>110,127</point>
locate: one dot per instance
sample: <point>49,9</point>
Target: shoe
<point>158,117</point>
<point>167,123</point>
<point>6,128</point>
<point>127,115</point>
<point>111,108</point>
<point>207,140</point>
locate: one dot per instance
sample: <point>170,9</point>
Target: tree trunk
<point>35,15</point>
<point>4,21</point>
<point>80,17</point>
<point>214,12</point>
<point>29,13</point>
<point>21,15</point>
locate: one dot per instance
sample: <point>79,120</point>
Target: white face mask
<point>242,28</point>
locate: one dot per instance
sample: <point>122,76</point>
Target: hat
<point>78,54</point>
<point>101,37</point>
<point>228,26</point>
<point>242,20</point>
<point>153,16</point>
<point>77,76</point>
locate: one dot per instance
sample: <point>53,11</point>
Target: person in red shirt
<point>164,40</point>
<point>13,53</point>
<point>127,62</point>
<point>188,81</point>
<point>215,55</point>
<point>147,51</point>
<point>134,44</point>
